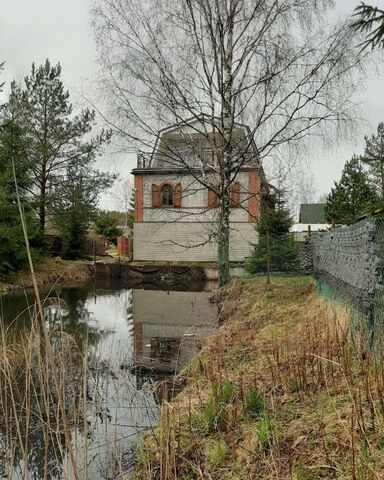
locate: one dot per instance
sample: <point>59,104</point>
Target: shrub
<point>283,254</point>
<point>106,224</point>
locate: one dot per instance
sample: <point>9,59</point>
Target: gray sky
<point>33,30</point>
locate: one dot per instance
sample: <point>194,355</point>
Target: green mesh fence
<point>347,263</point>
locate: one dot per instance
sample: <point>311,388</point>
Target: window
<point>208,157</point>
<point>165,349</point>
<point>166,196</point>
<point>234,191</point>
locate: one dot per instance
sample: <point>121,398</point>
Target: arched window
<point>166,195</point>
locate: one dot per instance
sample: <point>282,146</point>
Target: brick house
<point>176,211</point>
<point>166,330</point>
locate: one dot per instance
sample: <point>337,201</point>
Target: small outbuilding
<point>312,213</point>
<point>311,219</point>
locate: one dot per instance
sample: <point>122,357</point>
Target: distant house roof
<point>312,213</point>
<point>315,227</point>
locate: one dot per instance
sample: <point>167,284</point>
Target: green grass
<point>279,279</point>
<point>215,453</point>
<point>212,417</point>
<point>254,402</point>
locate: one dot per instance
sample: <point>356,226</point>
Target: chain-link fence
<point>346,262</point>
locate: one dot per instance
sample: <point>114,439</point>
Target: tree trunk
<point>268,256</point>
<point>43,177</point>
<point>223,274</point>
<point>42,206</point>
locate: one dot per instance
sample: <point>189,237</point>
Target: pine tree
<point>275,216</point>
<point>352,196</point>
<point>371,22</point>
<point>374,158</point>
<point>75,204</point>
<point>106,224</point>
<point>277,250</point>
<point>13,255</point>
<point>54,137</point>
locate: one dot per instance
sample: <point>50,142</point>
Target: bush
<point>13,252</point>
<point>283,254</point>
<point>106,224</point>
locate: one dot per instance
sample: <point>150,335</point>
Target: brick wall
<point>194,207</point>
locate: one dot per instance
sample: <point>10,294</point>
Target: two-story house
<point>176,211</point>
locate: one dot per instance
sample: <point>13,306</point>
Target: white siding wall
<point>186,241</point>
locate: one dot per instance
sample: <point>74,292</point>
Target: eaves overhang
<point>183,171</point>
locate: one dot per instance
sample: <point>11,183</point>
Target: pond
<point>126,341</point>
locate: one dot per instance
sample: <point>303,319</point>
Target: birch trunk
<point>223,273</point>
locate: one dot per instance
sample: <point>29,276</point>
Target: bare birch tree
<point>275,65</point>
<point>122,196</point>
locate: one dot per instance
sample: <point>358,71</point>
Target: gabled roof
<point>192,124</point>
<point>311,213</point>
<point>202,125</point>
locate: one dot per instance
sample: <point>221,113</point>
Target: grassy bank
<point>48,272</point>
<point>280,391</point>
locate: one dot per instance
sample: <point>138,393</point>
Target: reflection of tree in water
<point>34,415</point>
<point>71,315</point>
<point>75,333</point>
<point>129,314</point>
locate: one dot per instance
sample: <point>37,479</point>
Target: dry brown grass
<point>322,403</point>
<point>63,271</point>
<point>48,273</point>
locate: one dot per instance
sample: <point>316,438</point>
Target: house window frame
<point>170,199</point>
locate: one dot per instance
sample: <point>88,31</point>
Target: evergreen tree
<point>275,216</point>
<point>74,205</point>
<point>107,224</point>
<point>13,255</point>
<point>277,250</point>
<point>54,138</point>
<point>352,196</point>
<point>374,158</point>
<point>371,22</point>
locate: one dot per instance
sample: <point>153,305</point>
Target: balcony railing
<point>144,160</point>
<point>177,160</point>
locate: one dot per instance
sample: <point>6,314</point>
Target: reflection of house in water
<point>167,326</point>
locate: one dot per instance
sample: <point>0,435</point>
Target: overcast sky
<point>33,30</point>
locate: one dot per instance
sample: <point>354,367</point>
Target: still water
<point>133,338</point>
